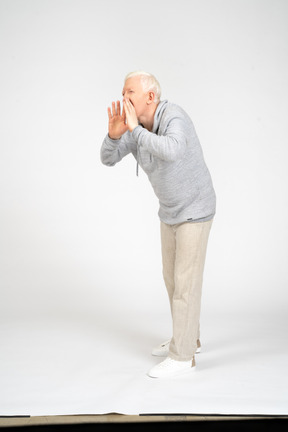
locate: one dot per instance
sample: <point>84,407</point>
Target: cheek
<point>134,102</point>
<point>139,104</point>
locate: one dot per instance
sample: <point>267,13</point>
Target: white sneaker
<point>170,368</point>
<point>163,349</point>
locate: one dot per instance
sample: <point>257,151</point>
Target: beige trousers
<point>183,255</point>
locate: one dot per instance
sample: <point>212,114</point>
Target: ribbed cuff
<point>137,131</point>
<point>113,142</point>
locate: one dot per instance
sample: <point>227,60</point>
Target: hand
<point>131,115</point>
<point>117,122</point>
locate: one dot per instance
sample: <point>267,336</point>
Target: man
<point>162,138</point>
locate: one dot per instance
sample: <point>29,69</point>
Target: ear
<point>151,97</point>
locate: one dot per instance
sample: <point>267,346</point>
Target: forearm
<point>109,152</point>
<point>112,151</point>
<point>169,147</point>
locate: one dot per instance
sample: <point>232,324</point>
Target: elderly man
<point>161,137</point>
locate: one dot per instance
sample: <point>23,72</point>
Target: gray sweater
<point>172,158</point>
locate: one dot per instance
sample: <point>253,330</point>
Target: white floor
<point>97,364</point>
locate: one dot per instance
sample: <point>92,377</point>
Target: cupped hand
<point>131,116</point>
<point>117,122</point>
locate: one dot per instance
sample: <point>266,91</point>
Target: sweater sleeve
<point>170,146</point>
<point>112,151</point>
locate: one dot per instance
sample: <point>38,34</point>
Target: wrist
<point>137,131</point>
<point>132,127</point>
<point>114,138</point>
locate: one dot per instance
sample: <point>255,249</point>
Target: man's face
<point>133,91</point>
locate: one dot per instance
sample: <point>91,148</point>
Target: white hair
<point>149,83</point>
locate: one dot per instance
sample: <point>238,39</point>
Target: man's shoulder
<point>171,108</point>
<point>167,112</point>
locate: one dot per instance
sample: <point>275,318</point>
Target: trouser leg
<point>183,252</point>
<point>168,246</point>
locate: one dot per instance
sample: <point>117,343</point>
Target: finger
<point>126,109</point>
<point>126,105</point>
<point>123,112</point>
<point>109,113</point>
<point>118,108</point>
<point>129,105</point>
<point>113,109</point>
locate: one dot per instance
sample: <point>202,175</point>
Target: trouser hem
<point>179,358</point>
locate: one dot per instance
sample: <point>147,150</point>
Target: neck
<point>147,120</point>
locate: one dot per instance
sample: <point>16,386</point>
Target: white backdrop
<point>78,237</point>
